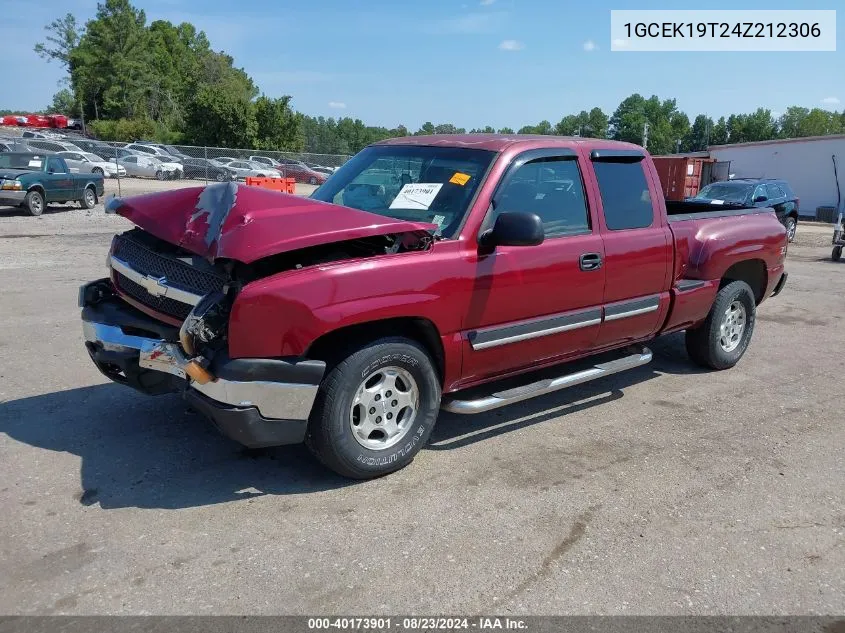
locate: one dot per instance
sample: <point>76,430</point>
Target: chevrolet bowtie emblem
<point>156,286</point>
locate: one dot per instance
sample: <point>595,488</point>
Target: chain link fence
<point>147,159</point>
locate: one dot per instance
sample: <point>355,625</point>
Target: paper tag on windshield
<point>439,220</point>
<point>416,196</point>
<point>459,179</point>
<point>717,202</point>
<point>34,163</point>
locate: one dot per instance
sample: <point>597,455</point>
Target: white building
<point>807,164</point>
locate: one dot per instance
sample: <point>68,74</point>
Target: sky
<point>467,62</point>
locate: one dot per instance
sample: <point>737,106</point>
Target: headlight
<point>11,185</point>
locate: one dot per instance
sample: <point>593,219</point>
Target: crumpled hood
<point>245,223</point>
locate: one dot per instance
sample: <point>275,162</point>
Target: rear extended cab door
<point>638,250</point>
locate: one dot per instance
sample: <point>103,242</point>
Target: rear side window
<point>775,192</point>
<point>624,195</point>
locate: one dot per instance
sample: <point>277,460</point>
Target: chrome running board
<point>548,385</point>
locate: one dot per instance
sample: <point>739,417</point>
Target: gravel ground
<point>665,490</point>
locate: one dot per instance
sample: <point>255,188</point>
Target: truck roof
<point>500,142</point>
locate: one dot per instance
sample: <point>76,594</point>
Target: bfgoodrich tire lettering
<point>330,436</point>
<point>706,343</point>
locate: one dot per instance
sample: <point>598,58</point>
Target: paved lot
<point>663,490</point>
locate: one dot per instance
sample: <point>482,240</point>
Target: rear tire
<point>34,203</point>
<point>722,339</point>
<point>375,409</point>
<point>89,198</point>
<point>836,255</point>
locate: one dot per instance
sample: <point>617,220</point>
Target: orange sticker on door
<point>459,179</point>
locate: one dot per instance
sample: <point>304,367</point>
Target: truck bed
<point>679,210</point>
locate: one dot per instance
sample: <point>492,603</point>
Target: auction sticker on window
<point>417,196</point>
<point>34,163</point>
<point>460,179</point>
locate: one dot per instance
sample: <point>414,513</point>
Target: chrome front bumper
<point>274,400</point>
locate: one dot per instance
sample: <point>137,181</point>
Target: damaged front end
<point>160,322</point>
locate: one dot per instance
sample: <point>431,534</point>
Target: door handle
<point>590,261</point>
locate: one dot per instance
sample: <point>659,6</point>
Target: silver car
<point>150,167</point>
<point>87,163</point>
<point>245,169</point>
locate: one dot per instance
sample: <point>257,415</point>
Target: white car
<point>245,169</point>
<point>150,167</point>
<point>87,163</point>
<point>153,150</point>
<point>265,160</point>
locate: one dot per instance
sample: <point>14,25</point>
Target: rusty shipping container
<point>681,176</point>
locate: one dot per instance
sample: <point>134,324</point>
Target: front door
<point>538,303</point>
<point>59,185</point>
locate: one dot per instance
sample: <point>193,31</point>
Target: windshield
<point>729,192</point>
<point>407,182</point>
<point>20,161</point>
<point>93,158</point>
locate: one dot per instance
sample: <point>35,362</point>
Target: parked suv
<point>757,192</point>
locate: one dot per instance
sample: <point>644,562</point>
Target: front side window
<point>552,189</point>
<point>624,195</point>
<point>55,166</point>
<point>410,182</point>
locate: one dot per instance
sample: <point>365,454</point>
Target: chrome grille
<point>177,273</point>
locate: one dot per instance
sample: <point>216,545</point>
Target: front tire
<point>722,339</point>
<point>159,175</point>
<point>375,409</point>
<point>312,180</point>
<point>34,203</point>
<point>791,225</point>
<point>836,255</point>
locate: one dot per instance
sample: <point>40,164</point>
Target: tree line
<point>131,80</point>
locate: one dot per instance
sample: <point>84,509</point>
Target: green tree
<point>425,129</point>
<point>278,127</point>
<point>221,118</point>
<point>698,137</point>
<point>791,121</point>
<point>719,135</point>
<point>506,130</point>
<point>62,39</point>
<point>64,102</point>
<point>820,122</point>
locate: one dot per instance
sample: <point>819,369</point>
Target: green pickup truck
<point>34,180</point>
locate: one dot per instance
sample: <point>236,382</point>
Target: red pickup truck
<point>422,273</point>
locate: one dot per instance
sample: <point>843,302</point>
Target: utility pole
<point>645,135</point>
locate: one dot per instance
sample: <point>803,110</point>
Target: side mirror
<point>513,229</point>
<point>760,199</point>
